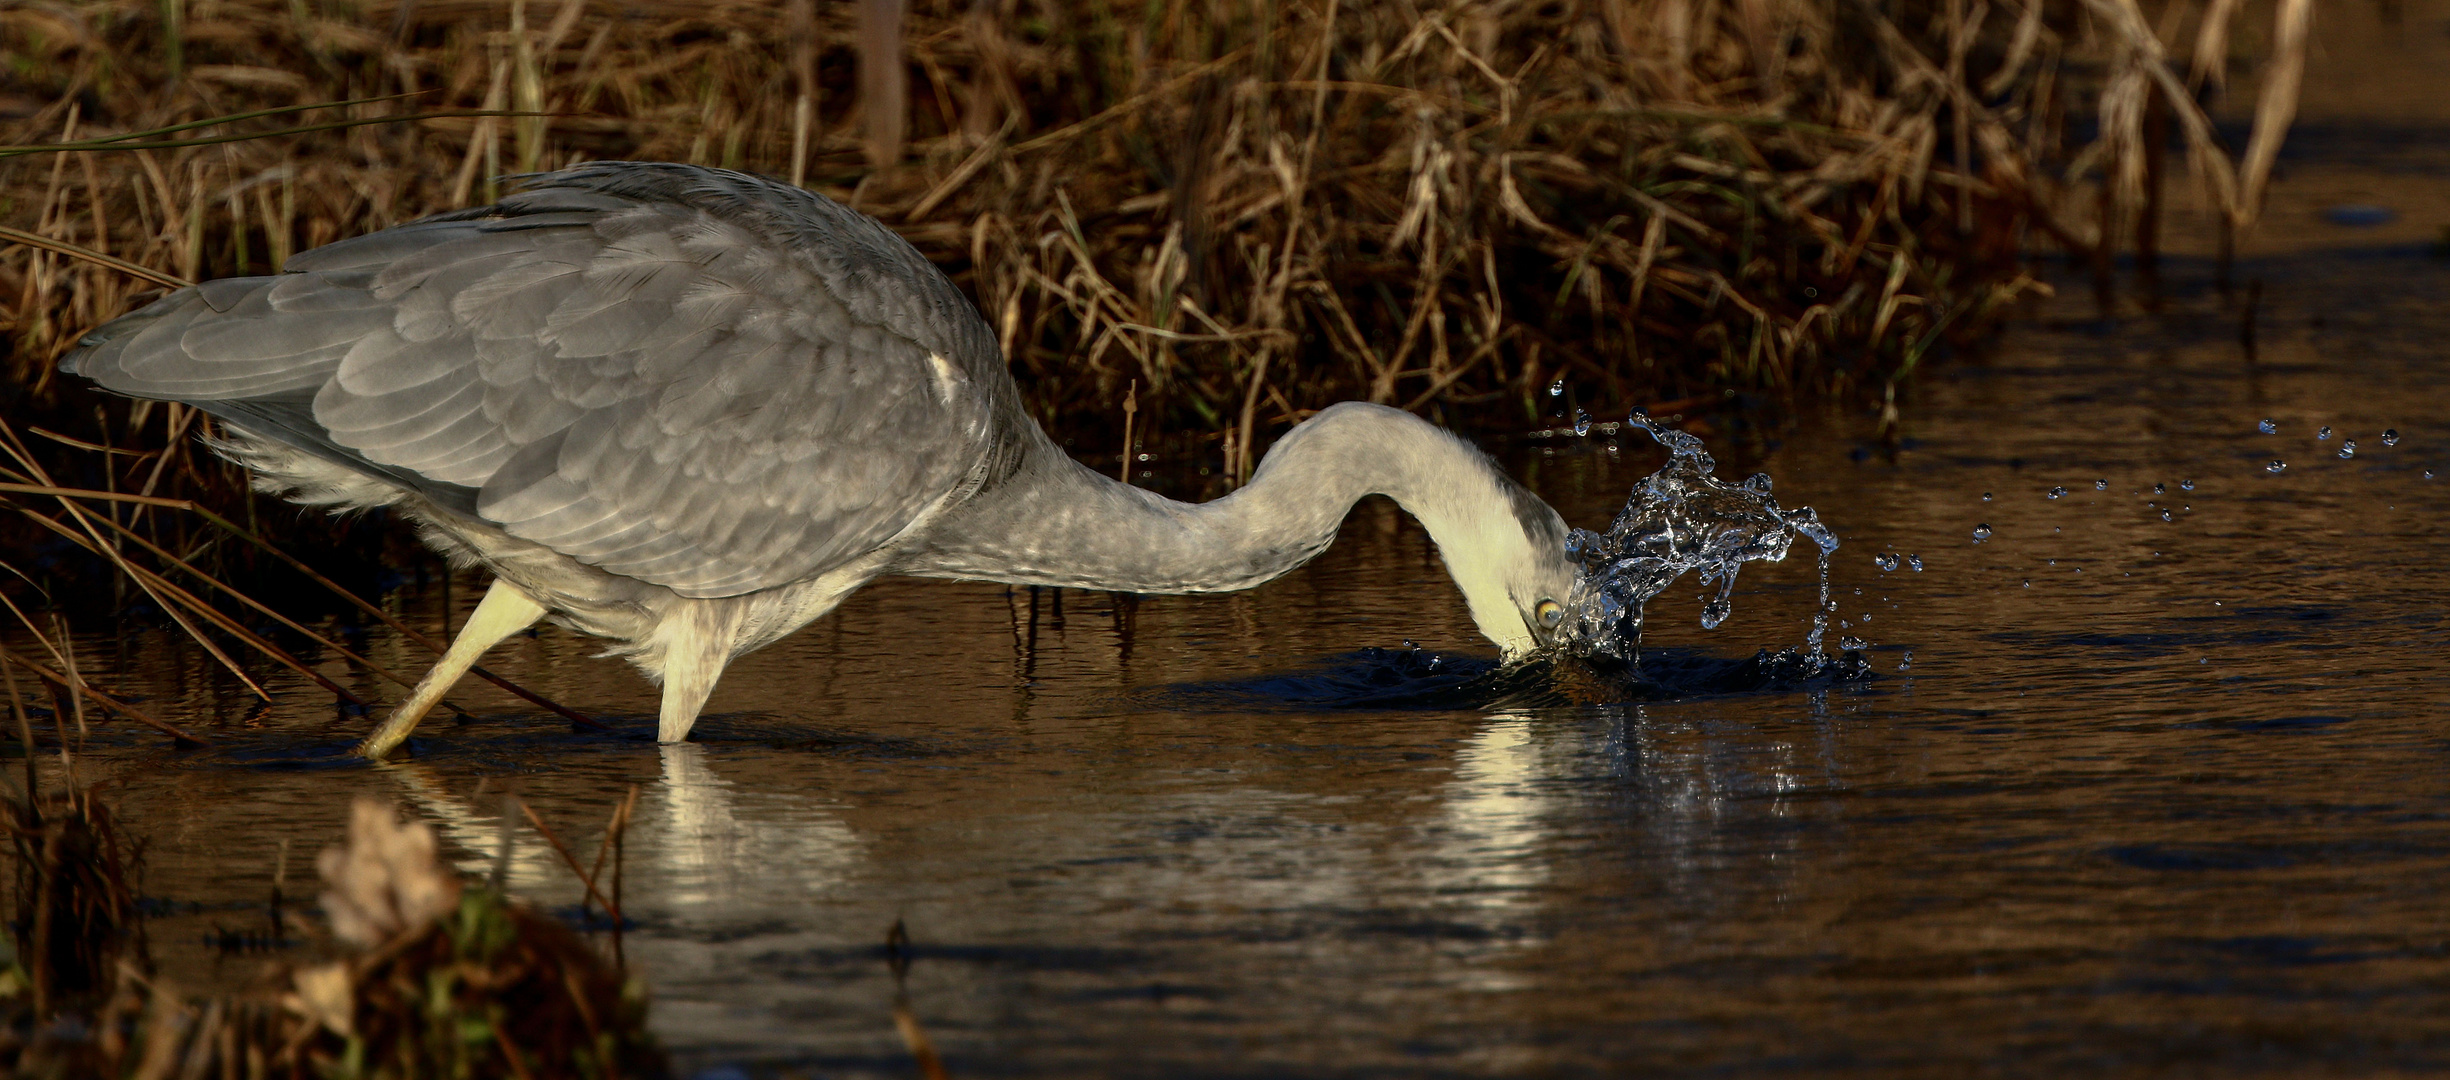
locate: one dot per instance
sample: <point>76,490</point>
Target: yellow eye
<point>1550,613</point>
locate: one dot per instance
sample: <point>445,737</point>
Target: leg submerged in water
<point>504,611</point>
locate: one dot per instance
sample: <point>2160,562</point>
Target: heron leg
<point>697,644</point>
<point>504,611</point>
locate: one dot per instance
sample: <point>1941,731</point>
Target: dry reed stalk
<point>2277,107</point>
<point>189,602</point>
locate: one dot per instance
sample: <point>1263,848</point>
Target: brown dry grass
<point>1226,215</point>
<point>1250,210</point>
<point>429,976</point>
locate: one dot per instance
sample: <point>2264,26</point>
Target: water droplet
<point>1715,612</point>
<point>1982,532</point>
<point>2276,466</point>
<point>2266,427</point>
<point>1915,561</point>
<point>2428,474</point>
<point>2165,515</point>
<point>1855,643</point>
<point>2348,449</point>
<point>2390,436</point>
<point>2101,485</point>
<point>2160,489</point>
<point>1885,562</point>
<point>2186,485</point>
<point>2028,583</point>
<point>1434,661</point>
<point>1905,661</point>
<point>1557,388</point>
<point>1582,422</point>
<point>1409,644</point>
<point>2324,434</point>
<point>1638,415</point>
<point>2055,493</point>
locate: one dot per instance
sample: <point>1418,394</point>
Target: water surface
<point>2155,795</point>
<point>2163,790</point>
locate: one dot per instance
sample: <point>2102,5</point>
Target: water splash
<point>1684,518</point>
<point>2055,493</point>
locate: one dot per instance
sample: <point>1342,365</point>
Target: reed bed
<point>1189,224</point>
<point>1239,211</point>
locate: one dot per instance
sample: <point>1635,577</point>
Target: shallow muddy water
<point>2154,796</point>
<point>2165,789</point>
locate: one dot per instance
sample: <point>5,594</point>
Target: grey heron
<point>690,410</point>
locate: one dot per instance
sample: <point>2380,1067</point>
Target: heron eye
<point>1550,613</point>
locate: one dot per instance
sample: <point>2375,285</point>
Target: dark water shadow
<point>1420,680</point>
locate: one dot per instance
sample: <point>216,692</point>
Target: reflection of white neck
<point>1499,812</point>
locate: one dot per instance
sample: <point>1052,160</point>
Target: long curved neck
<point>1053,521</point>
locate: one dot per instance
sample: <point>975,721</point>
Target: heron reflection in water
<point>690,410</point>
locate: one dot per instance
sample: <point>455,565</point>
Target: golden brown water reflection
<point>2176,805</point>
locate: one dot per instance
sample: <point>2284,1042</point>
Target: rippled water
<point>2151,775</point>
<point>2154,795</point>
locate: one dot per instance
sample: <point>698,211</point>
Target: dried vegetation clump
<point>1237,212</point>
<point>435,978</point>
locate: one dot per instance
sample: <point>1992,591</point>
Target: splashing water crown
<point>1680,518</point>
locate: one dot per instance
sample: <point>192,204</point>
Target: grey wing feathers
<point>699,379</point>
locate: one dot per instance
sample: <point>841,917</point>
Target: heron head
<point>1504,547</point>
<point>1514,572</point>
